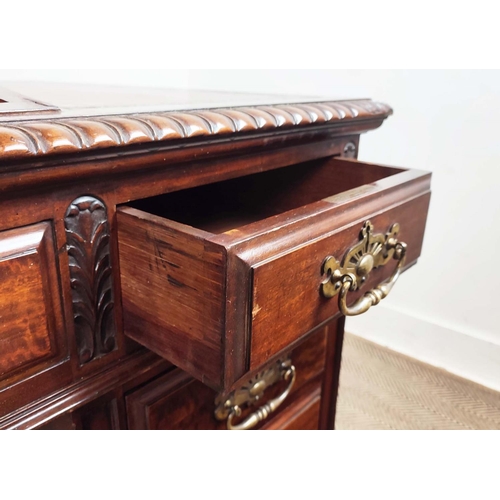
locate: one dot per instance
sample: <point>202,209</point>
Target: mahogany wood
<point>277,227</point>
<point>63,422</point>
<point>71,155</point>
<point>33,345</point>
<point>220,207</point>
<point>75,133</point>
<point>303,415</point>
<point>177,401</point>
<point>101,414</point>
<point>329,391</point>
<point>135,369</point>
<point>184,321</point>
<point>31,312</point>
<point>300,308</point>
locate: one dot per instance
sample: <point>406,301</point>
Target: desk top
<point>44,119</point>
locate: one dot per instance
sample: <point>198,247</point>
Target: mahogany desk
<point>185,260</point>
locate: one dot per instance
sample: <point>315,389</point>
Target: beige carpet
<point>381,389</point>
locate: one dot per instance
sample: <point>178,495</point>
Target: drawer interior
<point>226,205</point>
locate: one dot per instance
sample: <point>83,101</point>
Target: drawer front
<point>285,299</point>
<point>177,401</point>
<point>303,415</point>
<point>221,279</point>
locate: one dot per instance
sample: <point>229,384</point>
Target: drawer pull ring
<point>371,252</point>
<point>253,392</point>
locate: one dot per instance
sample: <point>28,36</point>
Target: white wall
<point>444,310</point>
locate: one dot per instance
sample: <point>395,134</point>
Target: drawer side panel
<point>173,293</point>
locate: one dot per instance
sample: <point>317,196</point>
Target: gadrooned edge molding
<point>69,135</point>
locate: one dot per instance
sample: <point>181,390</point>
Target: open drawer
<point>224,278</point>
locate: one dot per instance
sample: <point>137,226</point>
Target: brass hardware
<point>350,150</point>
<point>249,394</point>
<point>374,250</point>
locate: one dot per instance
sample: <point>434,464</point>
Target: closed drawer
<point>222,278</point>
<point>176,401</point>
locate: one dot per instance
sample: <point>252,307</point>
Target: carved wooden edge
<point>39,138</point>
<point>87,236</point>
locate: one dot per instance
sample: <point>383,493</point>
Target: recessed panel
<point>30,313</point>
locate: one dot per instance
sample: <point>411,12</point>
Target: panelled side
<point>33,346</point>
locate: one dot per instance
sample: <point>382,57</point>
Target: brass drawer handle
<point>264,411</point>
<point>371,252</point>
<point>373,297</point>
<point>231,406</point>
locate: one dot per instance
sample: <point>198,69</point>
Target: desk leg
<point>329,392</point>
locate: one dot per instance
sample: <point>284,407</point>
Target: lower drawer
<point>177,401</point>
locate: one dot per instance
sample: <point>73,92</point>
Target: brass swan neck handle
<point>374,296</point>
<point>265,410</point>
<point>229,407</point>
<point>374,250</point>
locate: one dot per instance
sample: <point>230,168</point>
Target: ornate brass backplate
<point>373,250</point>
<point>251,393</point>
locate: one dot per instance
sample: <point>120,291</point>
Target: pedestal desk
<point>185,260</point>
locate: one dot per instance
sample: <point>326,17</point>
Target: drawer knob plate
<point>372,251</point>
<point>230,407</point>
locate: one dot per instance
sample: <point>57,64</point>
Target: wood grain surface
<point>251,249</point>
<point>76,125</point>
<point>30,309</point>
<point>173,292</point>
<point>172,218</point>
<point>177,401</point>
